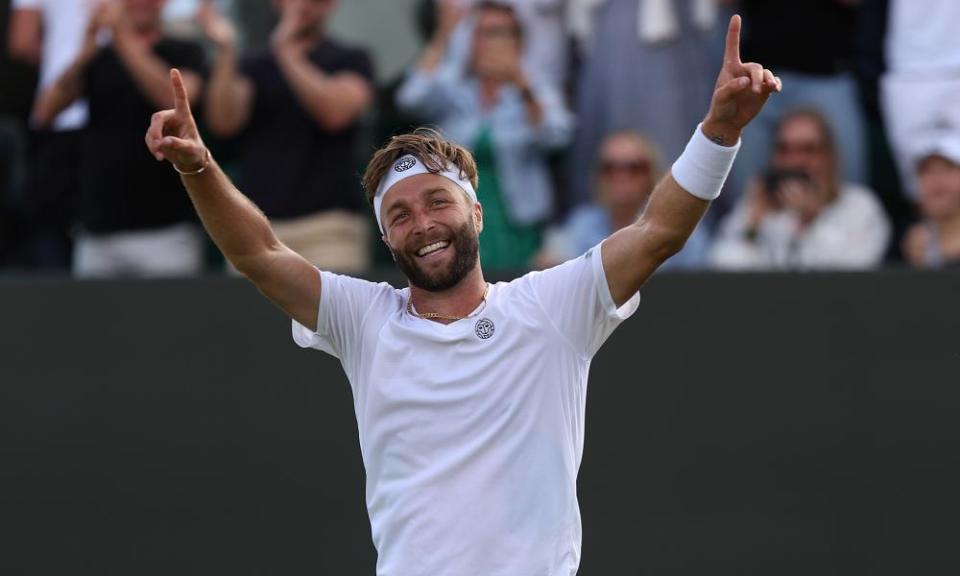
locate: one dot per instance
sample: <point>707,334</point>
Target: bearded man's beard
<point>466,245</point>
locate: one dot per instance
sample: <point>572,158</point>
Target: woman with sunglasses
<point>625,173</point>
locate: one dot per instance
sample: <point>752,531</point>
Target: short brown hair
<point>427,144</point>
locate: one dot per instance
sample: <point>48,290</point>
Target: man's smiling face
<point>432,228</point>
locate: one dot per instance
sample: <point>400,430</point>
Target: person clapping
<point>133,219</point>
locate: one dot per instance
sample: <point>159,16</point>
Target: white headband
<point>409,165</point>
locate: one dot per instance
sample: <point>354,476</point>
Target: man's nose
<point>422,221</point>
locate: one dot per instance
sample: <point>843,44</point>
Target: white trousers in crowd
<point>173,251</point>
<point>917,108</point>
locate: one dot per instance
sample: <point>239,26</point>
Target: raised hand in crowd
<point>229,95</point>
<point>133,29</point>
<point>804,198</point>
<point>105,17</point>
<point>916,245</point>
<point>791,191</point>
<point>291,37</point>
<point>499,55</point>
<point>497,59</point>
<point>215,26</point>
<point>449,14</point>
<point>761,203</point>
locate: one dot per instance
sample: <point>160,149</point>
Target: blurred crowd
<point>573,109</point>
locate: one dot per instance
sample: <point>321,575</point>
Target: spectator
<point>921,89</point>
<point>802,216</point>
<point>133,217</point>
<point>50,32</point>
<point>510,120</point>
<point>935,241</point>
<point>820,76</point>
<point>626,171</point>
<point>648,67</point>
<point>546,44</point>
<point>296,109</point>
<point>18,80</point>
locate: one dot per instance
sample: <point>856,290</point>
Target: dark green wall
<point>795,424</point>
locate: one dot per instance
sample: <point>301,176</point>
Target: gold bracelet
<point>206,162</point>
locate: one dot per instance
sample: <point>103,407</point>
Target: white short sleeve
<point>576,297</point>
<point>345,304</point>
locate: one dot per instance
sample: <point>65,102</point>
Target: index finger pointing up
<point>180,101</point>
<point>732,51</point>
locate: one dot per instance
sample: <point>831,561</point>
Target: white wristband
<point>704,165</point>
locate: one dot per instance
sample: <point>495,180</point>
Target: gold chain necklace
<point>441,316</point>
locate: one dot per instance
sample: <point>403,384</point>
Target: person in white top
<point>934,241</point>
<point>469,397</point>
<point>546,42</point>
<point>801,216</point>
<point>920,92</point>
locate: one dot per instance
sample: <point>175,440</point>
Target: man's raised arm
<point>237,226</point>
<point>681,199</point>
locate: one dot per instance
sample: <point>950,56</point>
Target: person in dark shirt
<point>296,108</point>
<point>820,76</point>
<point>133,218</point>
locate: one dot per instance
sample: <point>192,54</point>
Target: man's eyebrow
<point>396,206</point>
<point>429,192</point>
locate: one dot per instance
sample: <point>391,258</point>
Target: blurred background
<point>855,166</point>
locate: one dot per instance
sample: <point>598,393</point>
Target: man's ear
<point>478,217</point>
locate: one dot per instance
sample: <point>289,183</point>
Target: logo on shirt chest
<point>484,328</point>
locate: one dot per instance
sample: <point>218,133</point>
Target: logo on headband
<point>405,165</point>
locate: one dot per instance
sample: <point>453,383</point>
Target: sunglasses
<point>632,167</point>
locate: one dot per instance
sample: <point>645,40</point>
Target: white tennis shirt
<point>472,432</point>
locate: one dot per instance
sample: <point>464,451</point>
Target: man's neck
<point>457,302</point>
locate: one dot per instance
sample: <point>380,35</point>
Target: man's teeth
<point>432,248</point>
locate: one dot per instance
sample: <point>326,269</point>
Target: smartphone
<point>775,177</point>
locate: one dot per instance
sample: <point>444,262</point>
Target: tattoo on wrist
<point>716,139</point>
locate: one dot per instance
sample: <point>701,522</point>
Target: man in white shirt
<point>802,215</point>
<point>469,397</point>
